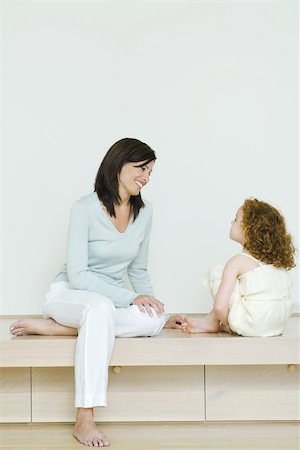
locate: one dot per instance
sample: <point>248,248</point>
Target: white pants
<point>98,323</point>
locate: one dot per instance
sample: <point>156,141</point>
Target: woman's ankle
<point>85,414</point>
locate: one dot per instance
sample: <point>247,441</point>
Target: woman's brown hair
<point>107,183</point>
<point>265,235</point>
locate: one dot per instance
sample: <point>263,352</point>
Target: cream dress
<point>260,304</point>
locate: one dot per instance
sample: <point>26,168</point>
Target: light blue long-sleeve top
<point>98,255</point>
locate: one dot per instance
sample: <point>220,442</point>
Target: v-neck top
<point>98,255</point>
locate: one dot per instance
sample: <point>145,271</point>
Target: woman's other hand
<point>147,303</point>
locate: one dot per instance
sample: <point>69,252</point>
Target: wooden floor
<point>238,436</point>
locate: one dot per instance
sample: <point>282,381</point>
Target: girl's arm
<point>231,271</point>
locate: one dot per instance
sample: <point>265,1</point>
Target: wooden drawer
<point>252,393</point>
<point>15,398</point>
<point>173,393</point>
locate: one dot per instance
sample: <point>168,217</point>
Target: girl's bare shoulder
<point>241,263</point>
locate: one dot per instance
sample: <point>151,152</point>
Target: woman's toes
<point>105,441</point>
<point>17,331</point>
<point>14,327</point>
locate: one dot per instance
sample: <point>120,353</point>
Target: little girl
<point>252,291</point>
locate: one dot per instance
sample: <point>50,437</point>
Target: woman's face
<point>236,232</point>
<point>133,177</point>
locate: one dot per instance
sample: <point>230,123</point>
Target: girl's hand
<point>146,303</point>
<point>222,315</point>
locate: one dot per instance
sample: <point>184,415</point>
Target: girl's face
<point>236,232</point>
<point>133,177</point>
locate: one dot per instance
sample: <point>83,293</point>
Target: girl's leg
<point>206,324</point>
<point>210,322</point>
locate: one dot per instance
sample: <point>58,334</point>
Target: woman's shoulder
<point>145,213</point>
<point>85,202</point>
<point>86,199</point>
<point>148,205</point>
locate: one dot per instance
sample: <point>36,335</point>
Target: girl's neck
<point>244,250</point>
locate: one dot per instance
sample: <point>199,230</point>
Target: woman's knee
<point>154,324</point>
<point>100,306</point>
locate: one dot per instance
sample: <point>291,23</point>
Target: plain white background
<point>212,86</point>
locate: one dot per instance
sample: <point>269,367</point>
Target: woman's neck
<point>124,197</point>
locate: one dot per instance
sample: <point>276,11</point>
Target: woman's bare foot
<point>174,322</point>
<point>203,325</point>
<point>44,327</point>
<point>85,429</point>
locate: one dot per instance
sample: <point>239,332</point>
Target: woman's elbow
<point>76,280</point>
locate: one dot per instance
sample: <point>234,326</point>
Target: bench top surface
<point>170,347</point>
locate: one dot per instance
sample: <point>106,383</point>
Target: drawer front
<point>173,393</point>
<point>15,398</point>
<point>252,392</point>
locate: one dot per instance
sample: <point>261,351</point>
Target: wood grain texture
<point>252,393</point>
<point>134,394</point>
<point>15,397</point>
<point>169,348</point>
<point>154,436</point>
<point>161,378</point>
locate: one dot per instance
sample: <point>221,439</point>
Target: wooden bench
<point>170,377</point>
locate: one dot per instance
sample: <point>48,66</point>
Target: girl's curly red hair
<point>265,235</point>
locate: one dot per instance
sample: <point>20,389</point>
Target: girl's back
<point>262,302</point>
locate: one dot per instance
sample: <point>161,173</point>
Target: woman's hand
<point>147,303</point>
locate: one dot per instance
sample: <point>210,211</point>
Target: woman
<point>108,236</point>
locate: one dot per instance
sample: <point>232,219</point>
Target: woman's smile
<point>133,177</point>
<point>139,183</point>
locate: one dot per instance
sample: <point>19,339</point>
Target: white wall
<point>211,86</point>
